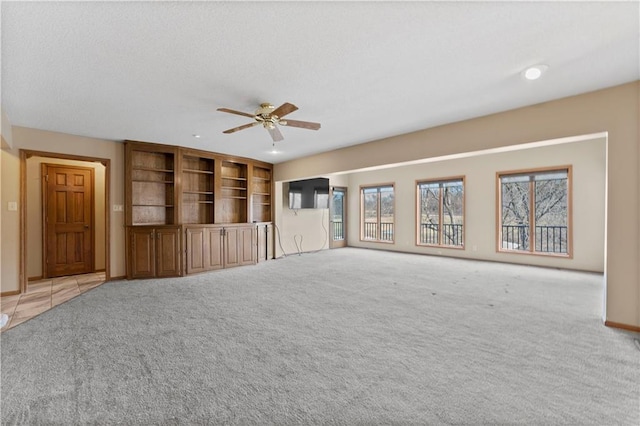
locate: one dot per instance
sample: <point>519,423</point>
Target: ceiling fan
<point>270,117</point>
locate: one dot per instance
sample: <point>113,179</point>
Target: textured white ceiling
<point>157,71</point>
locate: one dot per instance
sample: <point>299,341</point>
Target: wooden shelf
<point>152,181</point>
<point>176,196</point>
<point>204,172</point>
<point>152,169</point>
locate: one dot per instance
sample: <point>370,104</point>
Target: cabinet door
<point>197,250</point>
<point>168,252</point>
<point>262,243</point>
<point>247,245</point>
<point>231,249</point>
<point>204,249</point>
<point>143,256</point>
<point>215,256</point>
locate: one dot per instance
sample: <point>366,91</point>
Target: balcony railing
<point>451,234</point>
<point>548,238</point>
<point>370,231</point>
<point>338,231</point>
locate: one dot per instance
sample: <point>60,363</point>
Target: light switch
<point>118,208</point>
<point>12,206</point>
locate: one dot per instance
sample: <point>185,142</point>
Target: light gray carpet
<point>345,336</point>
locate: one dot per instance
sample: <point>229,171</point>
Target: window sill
<point>436,246</point>
<point>537,253</point>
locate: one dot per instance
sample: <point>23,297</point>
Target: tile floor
<point>46,294</point>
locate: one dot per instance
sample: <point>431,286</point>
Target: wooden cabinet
<point>155,252</point>
<point>206,203</point>
<point>216,247</point>
<point>204,250</point>
<point>240,246</point>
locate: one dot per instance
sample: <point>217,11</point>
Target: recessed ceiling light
<point>196,136</point>
<point>535,72</point>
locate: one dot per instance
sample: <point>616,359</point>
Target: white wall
<point>34,212</point>
<point>587,159</point>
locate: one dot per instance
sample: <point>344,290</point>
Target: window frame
<point>440,181</point>
<point>532,223</point>
<point>362,212</point>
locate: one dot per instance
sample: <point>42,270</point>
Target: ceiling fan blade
<point>232,111</point>
<point>302,124</point>
<point>284,109</point>
<point>246,126</point>
<point>275,134</point>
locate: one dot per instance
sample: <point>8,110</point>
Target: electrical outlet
<point>12,206</point>
<point>118,208</point>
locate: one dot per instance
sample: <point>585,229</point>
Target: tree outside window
<point>441,212</point>
<point>378,212</point>
<point>535,210</point>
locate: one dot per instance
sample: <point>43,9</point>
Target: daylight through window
<point>441,212</point>
<point>377,213</point>
<point>535,211</point>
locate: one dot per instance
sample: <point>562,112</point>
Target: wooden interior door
<point>68,210</point>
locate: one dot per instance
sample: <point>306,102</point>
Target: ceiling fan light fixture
<point>270,118</point>
<point>534,72</point>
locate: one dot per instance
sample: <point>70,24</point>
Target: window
<point>441,212</point>
<point>377,213</point>
<point>534,209</point>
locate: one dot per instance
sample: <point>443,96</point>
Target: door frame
<point>44,169</point>
<point>344,242</point>
<point>26,154</point>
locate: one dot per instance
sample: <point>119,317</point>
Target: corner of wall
<point>5,131</point>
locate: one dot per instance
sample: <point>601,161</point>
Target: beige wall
<point>586,157</point>
<point>303,230</point>
<point>10,182</point>
<point>34,212</point>
<point>614,110</point>
<point>5,130</point>
<point>53,142</point>
<point>6,141</point>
